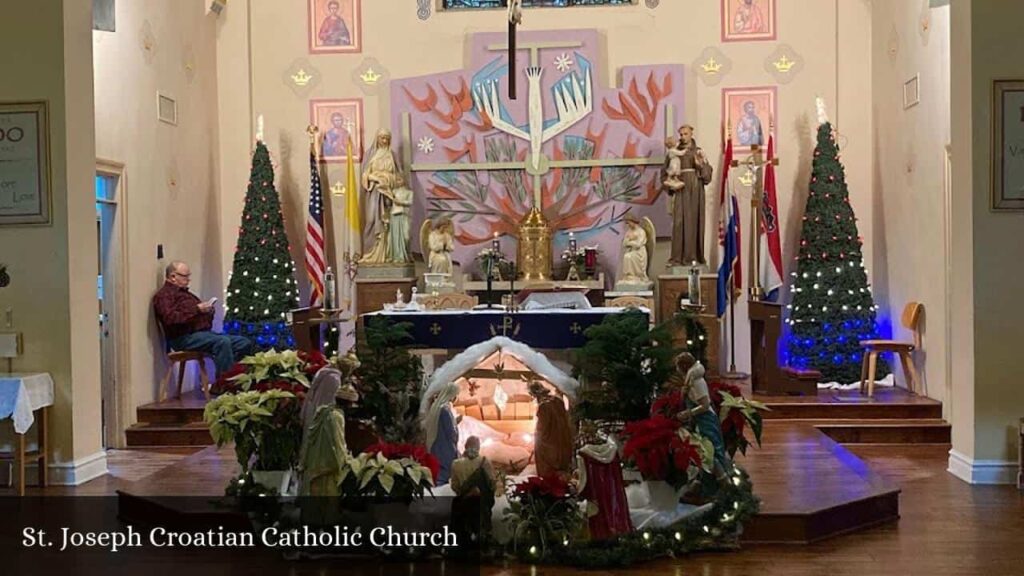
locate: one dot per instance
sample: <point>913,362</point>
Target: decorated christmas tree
<point>832,309</point>
<point>262,286</point>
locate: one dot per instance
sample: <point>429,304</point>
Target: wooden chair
<point>451,301</point>
<point>910,319</point>
<point>180,359</point>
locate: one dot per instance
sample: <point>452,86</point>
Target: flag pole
<point>732,374</point>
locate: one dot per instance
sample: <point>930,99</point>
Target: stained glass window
<point>474,4</point>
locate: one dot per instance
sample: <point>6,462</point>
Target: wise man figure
<point>688,203</point>
<point>553,442</point>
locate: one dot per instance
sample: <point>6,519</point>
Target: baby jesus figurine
<point>674,170</point>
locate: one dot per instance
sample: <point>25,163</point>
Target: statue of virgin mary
<point>382,175</point>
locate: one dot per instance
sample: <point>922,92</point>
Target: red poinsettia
<point>224,384</point>
<point>659,451</point>
<point>716,389</point>
<point>292,386</point>
<point>415,451</point>
<point>542,486</point>
<point>669,405</point>
<point>313,361</point>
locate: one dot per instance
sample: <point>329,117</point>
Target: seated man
<point>187,321</point>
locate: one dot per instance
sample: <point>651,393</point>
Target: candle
<point>495,245</point>
<point>693,284</point>
<point>572,243</point>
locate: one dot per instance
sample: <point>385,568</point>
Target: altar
<point>550,329</point>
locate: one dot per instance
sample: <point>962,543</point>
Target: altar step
<point>887,404</point>
<point>174,422</point>
<point>916,431</point>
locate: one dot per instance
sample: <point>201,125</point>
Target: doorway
<point>110,300</point>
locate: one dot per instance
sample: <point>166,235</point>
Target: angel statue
<point>382,177</point>
<point>437,242</point>
<point>637,252</point>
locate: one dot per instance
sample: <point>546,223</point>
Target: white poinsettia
<point>271,364</point>
<point>376,475</point>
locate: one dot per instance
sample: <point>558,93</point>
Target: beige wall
<point>170,194</point>
<point>910,188</point>
<point>47,50</point>
<point>996,46</point>
<point>407,46</point>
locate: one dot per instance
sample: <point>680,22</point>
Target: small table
<point>21,397</point>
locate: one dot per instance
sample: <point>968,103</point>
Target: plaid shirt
<point>177,310</point>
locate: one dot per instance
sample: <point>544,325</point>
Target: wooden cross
<point>756,162</point>
<point>515,18</point>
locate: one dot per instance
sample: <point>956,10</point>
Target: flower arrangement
<point>542,511</point>
<point>663,450</point>
<point>735,413</point>
<point>264,425</point>
<point>287,370</point>
<point>391,472</point>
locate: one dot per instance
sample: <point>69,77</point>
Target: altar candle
<point>572,243</point>
<point>590,258</point>
<point>495,245</point>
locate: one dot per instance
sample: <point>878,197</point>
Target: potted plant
<point>543,511</point>
<point>390,473</point>
<point>736,413</point>
<point>667,455</point>
<point>388,380</point>
<point>271,366</point>
<point>265,429</point>
<point>621,366</point>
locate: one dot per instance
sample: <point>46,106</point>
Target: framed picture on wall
<point>25,162</point>
<point>749,114</point>
<point>335,26</point>
<point>338,121</point>
<point>748,20</point>
<point>1008,145</point>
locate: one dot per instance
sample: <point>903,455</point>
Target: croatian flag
<point>729,267</point>
<point>315,267</point>
<point>771,246</point>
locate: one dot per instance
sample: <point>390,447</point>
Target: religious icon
<point>749,113</point>
<point>334,26</point>
<point>748,20</point>
<point>339,120</point>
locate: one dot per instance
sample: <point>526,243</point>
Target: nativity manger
<point>494,402</point>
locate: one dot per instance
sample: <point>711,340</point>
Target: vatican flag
<point>353,247</point>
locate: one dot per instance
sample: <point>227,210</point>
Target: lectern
<point>306,326</point>
<point>765,329</point>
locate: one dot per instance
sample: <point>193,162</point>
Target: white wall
<point>834,39</point>
<point>184,215</point>
<point>910,188</point>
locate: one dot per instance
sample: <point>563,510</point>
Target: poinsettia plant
<point>662,449</point>
<point>288,370</point>
<point>264,427</point>
<point>390,472</point>
<point>542,511</point>
<point>736,413</point>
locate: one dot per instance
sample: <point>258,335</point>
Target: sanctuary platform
<point>811,486</point>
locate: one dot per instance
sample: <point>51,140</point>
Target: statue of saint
<point>637,252</point>
<point>382,175</point>
<point>400,225</point>
<point>437,242</point>
<point>687,203</point>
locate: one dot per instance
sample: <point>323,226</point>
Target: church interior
<point>686,286</point>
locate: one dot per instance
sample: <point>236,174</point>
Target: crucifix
<point>515,18</point>
<point>756,163</point>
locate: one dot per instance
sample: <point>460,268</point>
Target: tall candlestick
<point>572,244</point>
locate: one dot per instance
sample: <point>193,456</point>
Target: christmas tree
<point>832,309</point>
<point>262,286</point>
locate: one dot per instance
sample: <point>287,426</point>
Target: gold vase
<point>534,247</point>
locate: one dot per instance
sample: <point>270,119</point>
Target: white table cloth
<point>21,395</point>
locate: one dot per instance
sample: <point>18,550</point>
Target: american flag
<point>315,267</point>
